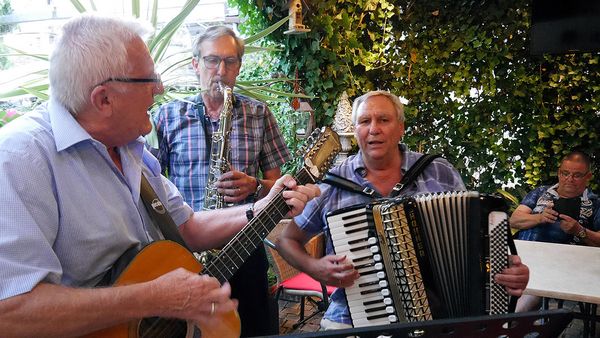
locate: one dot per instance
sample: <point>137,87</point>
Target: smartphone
<point>568,206</point>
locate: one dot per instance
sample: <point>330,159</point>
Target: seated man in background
<point>567,212</point>
<point>380,164</point>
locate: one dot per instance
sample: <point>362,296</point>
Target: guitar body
<point>155,260</point>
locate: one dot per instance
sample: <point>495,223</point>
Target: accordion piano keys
<point>370,297</point>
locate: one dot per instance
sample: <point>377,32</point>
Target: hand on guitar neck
<point>294,195</point>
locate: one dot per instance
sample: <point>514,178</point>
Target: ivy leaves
<point>502,116</point>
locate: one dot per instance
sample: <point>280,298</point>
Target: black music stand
<point>537,324</point>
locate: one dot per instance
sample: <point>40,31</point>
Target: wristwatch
<point>259,187</point>
<point>250,212</point>
<point>581,234</point>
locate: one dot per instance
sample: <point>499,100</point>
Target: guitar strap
<point>159,213</point>
<point>413,172</point>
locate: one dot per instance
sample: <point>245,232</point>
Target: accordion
<point>425,257</point>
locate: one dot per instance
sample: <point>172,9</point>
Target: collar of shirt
<point>552,191</point>
<point>68,132</point>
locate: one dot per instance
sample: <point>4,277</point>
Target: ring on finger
<point>213,307</point>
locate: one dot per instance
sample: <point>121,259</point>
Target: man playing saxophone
<point>257,151</point>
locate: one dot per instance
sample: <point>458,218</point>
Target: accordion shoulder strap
<point>345,184</point>
<point>413,172</point>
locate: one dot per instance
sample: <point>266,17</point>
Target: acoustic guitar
<point>161,257</point>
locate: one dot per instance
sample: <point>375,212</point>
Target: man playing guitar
<point>70,197</point>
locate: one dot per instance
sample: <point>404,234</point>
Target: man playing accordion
<point>379,165</point>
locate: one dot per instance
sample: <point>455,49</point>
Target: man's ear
<point>101,100</point>
<point>195,64</point>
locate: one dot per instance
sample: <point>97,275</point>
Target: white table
<point>563,271</point>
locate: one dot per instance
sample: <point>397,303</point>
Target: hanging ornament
<point>342,122</point>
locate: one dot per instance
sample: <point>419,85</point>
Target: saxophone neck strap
<point>413,172</point>
<point>159,213</point>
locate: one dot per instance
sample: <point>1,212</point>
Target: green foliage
<point>499,114</point>
<point>5,9</point>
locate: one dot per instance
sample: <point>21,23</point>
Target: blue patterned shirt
<point>539,198</point>
<point>185,133</point>
<point>438,176</point>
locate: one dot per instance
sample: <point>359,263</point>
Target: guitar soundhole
<point>162,327</point>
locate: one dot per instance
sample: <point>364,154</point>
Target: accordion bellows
<point>425,257</point>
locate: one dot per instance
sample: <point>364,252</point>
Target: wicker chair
<point>295,283</point>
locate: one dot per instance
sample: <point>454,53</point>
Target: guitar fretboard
<point>243,244</point>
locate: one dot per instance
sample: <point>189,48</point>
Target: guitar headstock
<point>320,150</point>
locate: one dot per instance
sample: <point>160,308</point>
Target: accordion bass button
<point>387,301</point>
<point>372,240</point>
<point>392,319</point>
<point>378,266</point>
<point>389,309</point>
<point>385,292</point>
<point>381,275</point>
<point>374,249</point>
<point>377,258</point>
<point>383,284</point>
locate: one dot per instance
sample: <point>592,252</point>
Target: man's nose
<point>221,68</point>
<point>374,128</point>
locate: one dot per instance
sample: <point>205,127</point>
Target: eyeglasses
<point>213,62</point>
<point>156,80</point>
<point>575,176</point>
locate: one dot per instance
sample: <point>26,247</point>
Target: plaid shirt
<point>438,176</point>
<point>185,134</point>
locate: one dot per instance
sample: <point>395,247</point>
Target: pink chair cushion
<point>303,281</point>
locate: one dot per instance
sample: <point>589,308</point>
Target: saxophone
<point>219,153</point>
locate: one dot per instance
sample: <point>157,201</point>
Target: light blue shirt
<point>67,212</point>
<point>438,176</point>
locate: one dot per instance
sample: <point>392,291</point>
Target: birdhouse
<point>295,23</point>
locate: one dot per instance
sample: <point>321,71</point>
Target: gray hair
<point>215,32</point>
<point>90,50</point>
<point>395,100</point>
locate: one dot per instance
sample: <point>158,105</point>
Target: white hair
<point>395,100</point>
<point>90,50</point>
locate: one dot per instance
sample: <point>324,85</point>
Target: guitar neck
<point>243,244</point>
